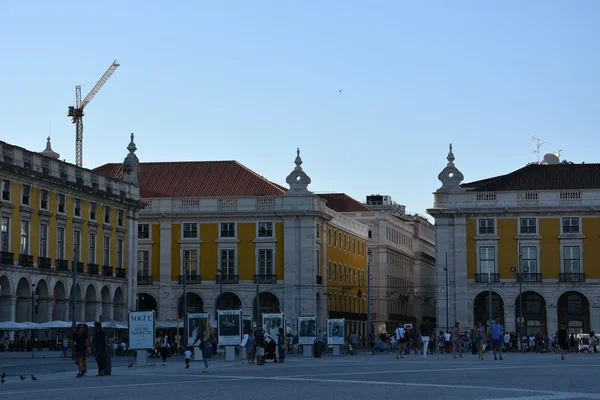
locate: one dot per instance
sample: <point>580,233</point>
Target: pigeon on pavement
<point>33,378</point>
<point>130,365</point>
<point>22,378</point>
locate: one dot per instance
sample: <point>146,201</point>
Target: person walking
<point>251,346</point>
<point>188,357</point>
<point>425,329</point>
<point>164,347</point>
<point>207,343</point>
<point>80,345</point>
<point>260,345</point>
<point>456,346</point>
<point>281,346</point>
<point>100,344</point>
<point>400,340</point>
<point>479,339</point>
<point>563,343</point>
<point>65,345</point>
<point>496,331</point>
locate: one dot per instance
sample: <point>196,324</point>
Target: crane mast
<point>76,112</point>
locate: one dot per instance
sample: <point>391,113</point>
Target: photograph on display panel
<point>247,324</point>
<point>230,327</point>
<point>196,327</point>
<point>272,323</point>
<point>335,331</point>
<point>307,330</point>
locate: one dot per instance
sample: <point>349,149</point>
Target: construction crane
<point>76,112</point>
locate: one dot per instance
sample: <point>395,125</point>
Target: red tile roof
<point>542,177</point>
<point>341,202</point>
<point>197,179</point>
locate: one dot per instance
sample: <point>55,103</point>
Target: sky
<point>252,80</point>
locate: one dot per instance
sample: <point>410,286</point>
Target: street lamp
<point>220,282</point>
<point>185,320</point>
<point>447,297</point>
<point>32,316</point>
<point>74,289</point>
<point>369,302</point>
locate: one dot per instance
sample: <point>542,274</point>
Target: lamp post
<point>447,297</point>
<point>490,296</point>
<point>185,320</point>
<point>220,282</point>
<point>32,316</point>
<point>369,302</point>
<point>74,290</point>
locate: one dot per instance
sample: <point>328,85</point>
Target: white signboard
<point>272,323</point>
<point>142,329</point>
<point>307,330</point>
<point>196,327</point>
<point>230,327</point>
<point>335,331</point>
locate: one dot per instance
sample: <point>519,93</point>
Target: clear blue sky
<point>252,80</point>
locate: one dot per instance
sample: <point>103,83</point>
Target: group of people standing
<point>255,344</point>
<point>83,345</point>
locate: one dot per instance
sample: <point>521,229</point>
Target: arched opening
<point>195,304</point>
<point>106,304</point>
<point>228,301</point>
<point>574,310</point>
<point>119,305</point>
<point>91,304</point>
<point>481,309</point>
<point>23,307</point>
<point>147,302</point>
<point>533,313</point>
<point>269,303</point>
<point>43,302</point>
<point>5,295</point>
<point>60,309</point>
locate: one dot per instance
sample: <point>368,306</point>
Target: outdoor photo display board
<point>230,327</point>
<point>272,323</point>
<point>142,330</point>
<point>247,322</point>
<point>335,331</point>
<point>307,330</point>
<point>196,327</point>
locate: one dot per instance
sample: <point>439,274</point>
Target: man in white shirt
<point>506,341</point>
<point>401,340</point>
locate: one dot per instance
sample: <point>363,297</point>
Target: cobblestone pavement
<point>519,376</point>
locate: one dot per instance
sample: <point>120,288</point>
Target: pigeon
<point>3,375</point>
<point>340,90</point>
<point>33,378</point>
<point>2,380</point>
<point>22,378</point>
<point>130,365</point>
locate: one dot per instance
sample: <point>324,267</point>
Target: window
<point>265,262</point>
<point>318,262</point>
<point>190,230</point>
<point>318,231</point>
<point>329,270</point>
<point>92,211</point>
<point>4,234</point>
<point>61,203</point>
<point>45,165</point>
<point>92,252</point>
<point>345,274</point>
<point>78,208</point>
<point>120,253</point>
<point>335,271</point>
<point>265,229</point>
<point>143,263</point>
<point>144,231</point>
<point>486,226</point>
<point>334,239</point>
<point>107,215</point>
<point>24,237</point>
<point>26,195</point>
<point>190,262</point>
<point>487,260</point>
<point>370,234</point>
<point>76,246</point>
<point>60,244</point>
<point>44,199</point>
<point>227,230</point>
<point>572,259</point>
<point>106,251</point>
<point>329,237</point>
<point>529,259</point>
<point>528,225</point>
<point>340,239</point>
<point>228,262</point>
<point>120,217</point>
<point>43,240</point>
<point>354,246</point>
<point>345,243</point>
<point>570,225</point>
<point>6,190</point>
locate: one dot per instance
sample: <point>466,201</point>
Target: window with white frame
<point>76,246</point>
<point>227,229</point>
<point>572,259</point>
<point>318,262</point>
<point>26,195</point>
<point>570,225</point>
<point>44,199</point>
<point>486,227</point>
<point>318,231</point>
<point>334,239</point>
<point>24,237</point>
<point>61,203</point>
<point>119,253</point>
<point>120,217</point>
<point>528,225</point>
<point>107,215</point>
<point>265,261</point>
<point>265,229</point>
<point>43,240</point>
<point>228,262</point>
<point>329,270</point>
<point>60,244</point>
<point>77,211</point>
<point>92,250</point>
<point>6,190</point>
<point>143,263</point>
<point>92,211</point>
<point>106,251</point>
<point>190,262</point>
<point>144,231</point>
<point>529,259</point>
<point>190,230</point>
<point>345,243</point>
<point>4,234</point>
<point>329,237</point>
<point>487,260</point>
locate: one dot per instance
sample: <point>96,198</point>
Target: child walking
<point>188,357</point>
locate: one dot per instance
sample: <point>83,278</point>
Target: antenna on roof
<point>538,148</point>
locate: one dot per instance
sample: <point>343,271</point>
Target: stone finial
<point>48,152</point>
<point>298,179</point>
<point>450,176</point>
<point>131,164</point>
<point>450,157</point>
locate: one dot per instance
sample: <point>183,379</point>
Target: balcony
<point>62,265</point>
<point>121,273</point>
<point>92,269</point>
<point>227,279</point>
<point>44,262</point>
<point>572,277</point>
<point>487,278</point>
<point>191,279</point>
<point>7,258</point>
<point>107,270</point>
<point>25,260</point>
<point>319,280</point>
<point>265,278</point>
<point>144,280</point>
<point>79,265</point>
<point>529,278</point>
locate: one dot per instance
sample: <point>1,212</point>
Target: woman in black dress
<point>80,344</point>
<point>563,343</point>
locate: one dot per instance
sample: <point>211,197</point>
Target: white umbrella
<point>12,325</point>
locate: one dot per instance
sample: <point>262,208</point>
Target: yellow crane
<point>76,112</point>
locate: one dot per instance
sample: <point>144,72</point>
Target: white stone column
<point>132,259</point>
<point>510,318</point>
<point>594,319</point>
<point>164,285</point>
<point>551,319</point>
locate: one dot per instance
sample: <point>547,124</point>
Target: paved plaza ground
<point>519,376</point>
